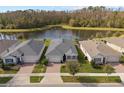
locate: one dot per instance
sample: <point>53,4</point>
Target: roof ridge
<point>16,47</point>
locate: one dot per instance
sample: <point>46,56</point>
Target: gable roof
<point>28,48</point>
<point>116,41</point>
<point>98,48</point>
<point>60,47</point>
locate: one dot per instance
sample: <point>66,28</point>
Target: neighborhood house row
<point>61,50</point>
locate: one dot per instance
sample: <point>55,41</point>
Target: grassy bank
<point>62,26</point>
<point>92,28</point>
<point>27,30</point>
<point>91,79</point>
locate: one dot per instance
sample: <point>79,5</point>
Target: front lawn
<point>35,79</point>
<point>91,79</point>
<point>39,68</point>
<point>9,69</point>
<point>4,80</point>
<point>85,66</point>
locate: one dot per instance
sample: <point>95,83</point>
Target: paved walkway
<point>54,76</point>
<point>18,79</point>
<point>119,68</point>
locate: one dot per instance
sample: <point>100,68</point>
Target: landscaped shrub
<point>108,69</point>
<point>44,61</point>
<point>1,63</point>
<point>73,67</point>
<point>8,66</point>
<point>96,66</point>
<point>122,59</point>
<point>16,68</point>
<point>81,57</point>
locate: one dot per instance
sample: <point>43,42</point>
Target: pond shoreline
<point>59,26</point>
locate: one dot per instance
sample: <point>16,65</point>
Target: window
<point>68,57</point>
<point>74,57</point>
<point>8,61</point>
<point>97,59</point>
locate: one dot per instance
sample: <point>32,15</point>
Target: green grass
<point>27,30</point>
<point>62,26</point>
<point>92,28</point>
<point>81,58</point>
<point>4,80</point>
<point>35,79</point>
<point>86,68</point>
<point>10,71</point>
<point>39,68</point>
<point>47,42</point>
<point>91,79</point>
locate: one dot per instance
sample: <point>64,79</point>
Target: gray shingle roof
<point>116,41</point>
<point>60,47</point>
<point>5,44</point>
<point>28,48</point>
<point>94,48</point>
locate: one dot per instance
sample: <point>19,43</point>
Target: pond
<point>56,33</point>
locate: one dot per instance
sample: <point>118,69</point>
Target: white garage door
<point>112,59</point>
<point>55,59</point>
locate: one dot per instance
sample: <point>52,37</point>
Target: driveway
<point>53,75</point>
<point>119,68</point>
<point>22,77</point>
<point>53,68</point>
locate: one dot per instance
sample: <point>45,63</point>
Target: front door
<point>104,60</point>
<point>64,58</point>
<point>18,60</point>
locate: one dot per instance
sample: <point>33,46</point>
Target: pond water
<point>56,33</point>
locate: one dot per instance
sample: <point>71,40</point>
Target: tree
<point>108,69</point>
<point>1,26</point>
<point>122,59</point>
<point>73,23</point>
<point>73,67</point>
<point>98,16</point>
<point>109,34</point>
<point>98,35</point>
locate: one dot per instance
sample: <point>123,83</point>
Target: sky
<point>57,8</point>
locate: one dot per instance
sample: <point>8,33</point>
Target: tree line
<point>85,17</point>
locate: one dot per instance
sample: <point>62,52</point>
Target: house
<point>61,50</point>
<point>99,52</point>
<point>28,51</point>
<point>7,37</point>
<point>116,44</point>
<point>5,44</point>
